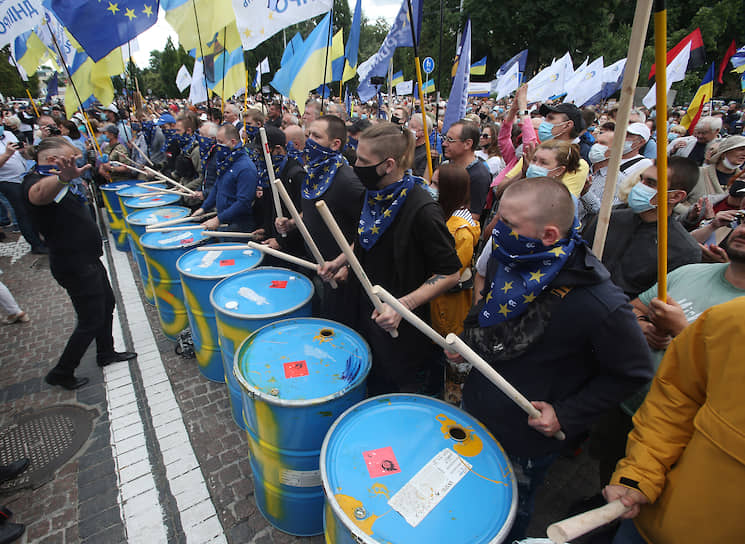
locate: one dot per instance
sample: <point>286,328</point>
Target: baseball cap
<point>570,110</point>
<point>164,119</point>
<point>111,129</point>
<point>640,129</point>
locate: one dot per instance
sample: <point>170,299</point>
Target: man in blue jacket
<point>235,188</point>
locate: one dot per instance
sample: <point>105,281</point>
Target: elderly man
<point>232,115</point>
<point>459,147</point>
<point>311,113</point>
<point>416,125</point>
<point>694,147</point>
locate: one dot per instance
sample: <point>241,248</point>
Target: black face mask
<point>395,120</point>
<point>369,175</point>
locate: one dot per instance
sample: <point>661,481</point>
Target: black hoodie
<point>591,356</point>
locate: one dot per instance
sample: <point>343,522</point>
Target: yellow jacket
<point>450,309</point>
<point>687,448</point>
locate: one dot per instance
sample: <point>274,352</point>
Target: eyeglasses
<point>486,135</point>
<point>450,139</point>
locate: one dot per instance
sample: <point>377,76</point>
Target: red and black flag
<point>731,50</point>
<point>698,54</point>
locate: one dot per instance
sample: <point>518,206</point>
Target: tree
<point>11,84</point>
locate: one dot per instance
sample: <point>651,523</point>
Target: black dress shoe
<point>8,472</point>
<point>115,357</point>
<point>10,532</point>
<point>68,382</point>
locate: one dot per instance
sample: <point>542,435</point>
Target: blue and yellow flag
<point>28,52</point>
<point>398,77</point>
<point>214,15</point>
<point>336,56</point>
<point>353,44</point>
<point>429,86</point>
<point>478,68</point>
<point>293,46</point>
<point>224,68</point>
<point>93,79</point>
<point>100,27</point>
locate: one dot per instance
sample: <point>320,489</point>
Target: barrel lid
<point>261,293</point>
<point>115,186</point>
<point>173,239</point>
<point>410,468</point>
<point>151,201</point>
<point>302,359</point>
<point>157,215</point>
<point>134,190</point>
<point>218,263</point>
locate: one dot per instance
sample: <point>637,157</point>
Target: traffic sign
<point>428,64</point>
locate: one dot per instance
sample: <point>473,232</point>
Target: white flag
<point>405,87</point>
<point>590,84</point>
<point>509,81</point>
<point>198,93</point>
<point>64,43</point>
<point>183,78</point>
<point>258,21</point>
<point>676,71</point>
<point>18,16</point>
<point>576,77</point>
<point>550,81</point>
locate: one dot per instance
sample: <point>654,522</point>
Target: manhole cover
<point>49,438</point>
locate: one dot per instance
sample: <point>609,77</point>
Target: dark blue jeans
<point>530,473</point>
<point>12,192</point>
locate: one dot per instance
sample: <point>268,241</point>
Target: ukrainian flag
<point>93,79</point>
<point>353,44</point>
<point>337,56</point>
<point>429,86</point>
<point>224,68</point>
<point>703,95</point>
<point>398,77</point>
<point>305,71</point>
<point>214,15</point>
<point>29,52</point>
<point>478,68</point>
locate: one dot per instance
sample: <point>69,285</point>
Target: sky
<point>154,38</point>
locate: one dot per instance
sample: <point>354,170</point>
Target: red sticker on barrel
<point>381,462</point>
<point>227,262</point>
<point>278,284</point>
<point>296,369</point>
<point>187,240</point>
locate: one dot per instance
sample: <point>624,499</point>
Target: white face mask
<point>597,153</point>
<point>728,164</point>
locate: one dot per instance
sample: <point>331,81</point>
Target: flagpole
<point>326,62</point>
<point>390,88</point>
<point>245,101</point>
<point>201,50</point>
<point>421,91</point>
<point>75,89</point>
<point>224,61</point>
<point>439,71</point>
<point>33,105</point>
<point>660,53</point>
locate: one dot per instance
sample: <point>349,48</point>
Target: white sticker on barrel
<point>231,305</point>
<point>253,296</point>
<point>181,236</point>
<point>418,497</point>
<point>209,258</point>
<point>300,478</point>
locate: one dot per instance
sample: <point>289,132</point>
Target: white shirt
<point>15,167</point>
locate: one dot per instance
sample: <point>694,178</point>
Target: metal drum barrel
<point>136,225</point>
<point>200,271</point>
<point>144,202</point>
<point>410,468</point>
<point>297,376</point>
<point>162,250</point>
<point>246,302</point>
<point>114,211</point>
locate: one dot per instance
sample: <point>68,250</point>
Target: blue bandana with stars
<point>321,164</point>
<point>526,268</point>
<point>205,148</point>
<point>381,208</point>
<point>225,159</point>
<point>295,153</point>
<point>170,135</point>
<point>148,129</point>
<point>278,162</point>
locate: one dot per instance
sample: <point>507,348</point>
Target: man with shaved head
<point>551,322</point>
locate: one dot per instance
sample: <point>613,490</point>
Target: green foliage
<point>11,84</point>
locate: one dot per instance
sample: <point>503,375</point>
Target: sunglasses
<point>486,136</point>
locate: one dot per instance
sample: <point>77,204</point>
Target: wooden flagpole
<point>660,54</point>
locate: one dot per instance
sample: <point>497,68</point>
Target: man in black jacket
<point>554,326</point>
<point>75,251</point>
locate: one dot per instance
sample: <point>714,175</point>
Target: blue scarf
<point>295,153</point>
<point>321,164</point>
<point>206,145</point>
<point>251,134</point>
<point>226,157</point>
<point>187,143</point>
<point>75,186</point>
<point>526,268</point>
<point>278,161</point>
<point>381,208</point>
<point>148,129</point>
<point>170,134</point>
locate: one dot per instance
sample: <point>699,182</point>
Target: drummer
<point>404,246</point>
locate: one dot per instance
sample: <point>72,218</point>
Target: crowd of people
<point>492,244</point>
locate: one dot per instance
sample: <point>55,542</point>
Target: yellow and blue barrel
<point>298,376</point>
<point>134,191</point>
<point>246,302</point>
<point>409,468</point>
<point>162,250</point>
<point>146,202</point>
<point>114,211</point>
<point>200,271</point>
<point>136,225</point>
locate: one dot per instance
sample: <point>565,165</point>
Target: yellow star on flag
<point>315,186</point>
<point>536,276</point>
<point>529,298</point>
<point>504,310</point>
<point>113,8</point>
<point>516,235</point>
<point>371,202</point>
<point>379,197</point>
<point>488,296</point>
<point>374,230</point>
<point>403,191</point>
<point>387,213</point>
<point>557,251</point>
<point>247,33</point>
<point>148,10</point>
<point>507,286</point>
<point>271,16</point>
<point>130,13</point>
<point>360,230</point>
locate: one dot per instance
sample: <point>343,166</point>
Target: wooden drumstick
<point>351,259</point>
<point>162,190</point>
<point>280,188</point>
<point>456,344</point>
<point>158,228</point>
<point>270,171</point>
<point>411,317</point>
<point>226,234</point>
<point>282,255</point>
<point>576,526</point>
<point>180,220</point>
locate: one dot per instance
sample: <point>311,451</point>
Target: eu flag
<point>100,26</point>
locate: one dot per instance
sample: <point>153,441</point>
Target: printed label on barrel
<point>300,478</point>
<point>381,462</point>
<point>415,500</point>
<point>278,284</point>
<point>227,262</point>
<point>296,369</point>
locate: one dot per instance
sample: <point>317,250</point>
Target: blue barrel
<point>162,250</point>
<point>144,202</point>
<point>114,211</point>
<point>136,224</point>
<point>246,302</point>
<point>297,376</point>
<point>200,271</point>
<point>134,191</point>
<point>409,468</point>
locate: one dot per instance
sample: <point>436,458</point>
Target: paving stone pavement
<point>84,502</point>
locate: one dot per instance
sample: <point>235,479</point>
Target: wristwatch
<point>524,113</point>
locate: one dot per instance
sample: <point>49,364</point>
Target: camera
<point>738,220</point>
<point>53,130</point>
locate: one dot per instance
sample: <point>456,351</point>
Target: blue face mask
<point>315,152</point>
<point>627,145</point>
<point>104,139</point>
<point>597,153</point>
<point>672,136</point>
<point>251,131</point>
<point>2,130</point>
<point>434,192</point>
<point>639,198</point>
<point>544,131</point>
<point>535,171</point>
<point>102,116</point>
<point>45,169</point>
<point>221,152</point>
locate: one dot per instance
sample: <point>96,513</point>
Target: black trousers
<point>93,299</point>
